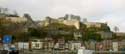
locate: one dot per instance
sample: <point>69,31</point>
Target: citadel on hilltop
<point>67,31</point>
<point>71,20</point>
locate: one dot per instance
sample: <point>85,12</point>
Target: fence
<point>109,52</point>
<point>63,52</point>
<point>72,52</point>
<point>48,52</point>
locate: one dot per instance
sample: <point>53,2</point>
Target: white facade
<point>36,45</point>
<point>23,45</point>
<point>56,46</point>
<point>83,51</point>
<point>115,46</point>
<point>75,46</point>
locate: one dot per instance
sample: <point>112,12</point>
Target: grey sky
<point>111,11</point>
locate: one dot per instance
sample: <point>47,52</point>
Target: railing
<point>109,52</point>
<point>49,52</point>
<point>74,52</point>
<point>63,52</point>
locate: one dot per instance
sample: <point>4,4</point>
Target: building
<point>16,19</point>
<point>49,20</point>
<point>105,35</point>
<point>23,45</point>
<point>121,44</point>
<point>71,22</point>
<point>61,43</point>
<point>74,17</point>
<point>77,35</point>
<point>120,34</point>
<point>36,44</point>
<point>105,45</point>
<point>48,43</point>
<point>94,24</point>
<point>74,45</point>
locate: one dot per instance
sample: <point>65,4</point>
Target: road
<point>46,52</point>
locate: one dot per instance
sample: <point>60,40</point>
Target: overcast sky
<point>111,11</point>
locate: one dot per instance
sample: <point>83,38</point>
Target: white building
<point>74,45</point>
<point>36,44</point>
<point>23,45</point>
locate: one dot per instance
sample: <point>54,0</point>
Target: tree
<point>21,36</point>
<point>34,32</point>
<point>90,35</point>
<point>116,29</point>
<point>15,13</point>
<point>58,30</point>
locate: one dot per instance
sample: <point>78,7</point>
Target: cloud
<point>85,8</point>
<point>115,19</point>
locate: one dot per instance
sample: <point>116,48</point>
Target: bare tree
<point>15,13</point>
<point>116,29</point>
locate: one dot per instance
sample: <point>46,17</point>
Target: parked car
<point>14,52</point>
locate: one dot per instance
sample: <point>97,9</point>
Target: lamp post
<point>95,46</point>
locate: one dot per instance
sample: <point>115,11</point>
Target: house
<point>105,35</point>
<point>120,34</point>
<point>77,35</point>
<point>36,44</point>
<point>90,44</point>
<point>60,44</point>
<point>48,43</point>
<point>67,46</point>
<point>74,45</point>
<point>121,44</point>
<point>107,44</point>
<point>23,45</point>
<point>56,46</point>
<point>115,46</point>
